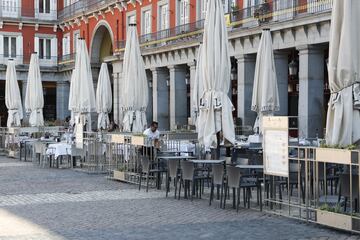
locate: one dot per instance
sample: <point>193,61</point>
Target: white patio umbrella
<point>82,95</point>
<point>103,97</point>
<point>34,98</point>
<point>343,117</point>
<point>12,96</point>
<point>134,87</point>
<point>265,98</point>
<point>215,105</point>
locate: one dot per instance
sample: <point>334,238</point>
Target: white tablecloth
<point>59,149</point>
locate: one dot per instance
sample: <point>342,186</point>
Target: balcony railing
<point>273,11</point>
<point>168,34</point>
<point>277,10</point>
<point>7,11</point>
<point>68,58</point>
<point>83,6</point>
<point>25,59</point>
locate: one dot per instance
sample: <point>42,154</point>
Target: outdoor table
<point>250,166</point>
<point>59,150</point>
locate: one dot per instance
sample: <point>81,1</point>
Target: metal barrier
<point>94,152</point>
<point>322,187</point>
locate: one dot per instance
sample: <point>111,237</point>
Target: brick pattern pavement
<point>64,204</point>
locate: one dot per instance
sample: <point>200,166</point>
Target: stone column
<point>311,91</point>
<point>149,110</point>
<point>282,73</point>
<point>246,71</point>
<point>161,98</point>
<point>116,77</point>
<point>192,67</point>
<point>178,97</point>
<point>62,100</point>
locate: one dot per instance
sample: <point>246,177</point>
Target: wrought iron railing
<point>9,11</point>
<point>272,11</point>
<point>25,59</point>
<point>63,59</point>
<point>82,6</point>
<point>168,34</point>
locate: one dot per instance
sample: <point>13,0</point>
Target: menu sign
<point>275,144</point>
<point>79,135</point>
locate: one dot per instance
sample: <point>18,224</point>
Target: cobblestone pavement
<point>59,204</point>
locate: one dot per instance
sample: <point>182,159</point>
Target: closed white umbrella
<point>34,98</point>
<point>215,105</point>
<point>343,117</point>
<point>134,87</point>
<point>265,98</point>
<point>12,96</point>
<point>103,97</point>
<point>197,90</point>
<point>82,95</point>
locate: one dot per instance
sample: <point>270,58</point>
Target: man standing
<point>153,134</point>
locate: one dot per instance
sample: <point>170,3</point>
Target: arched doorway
<point>102,43</point>
<point>101,47</point>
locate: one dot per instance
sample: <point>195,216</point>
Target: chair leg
<point>211,193</point>
<point>147,181</point>
<point>140,180</point>
<point>175,182</point>
<point>180,187</point>
<point>238,200</point>
<point>167,184</point>
<point>234,198</point>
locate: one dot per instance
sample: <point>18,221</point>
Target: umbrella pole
<point>215,152</point>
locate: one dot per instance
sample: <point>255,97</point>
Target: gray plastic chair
<point>145,168</point>
<point>187,178</point>
<point>233,176</point>
<point>217,180</point>
<point>172,174</point>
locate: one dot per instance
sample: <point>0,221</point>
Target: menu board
<point>276,135</point>
<point>79,135</point>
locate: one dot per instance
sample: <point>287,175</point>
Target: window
<point>203,8</point>
<point>132,19</point>
<point>66,45</point>
<point>183,12</point>
<point>10,8</point>
<point>147,22</point>
<point>44,48</point>
<point>75,41</point>
<point>10,47</point>
<point>164,17</point>
<point>44,6</point>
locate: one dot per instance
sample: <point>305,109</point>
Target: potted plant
<point>332,217</point>
<point>337,154</point>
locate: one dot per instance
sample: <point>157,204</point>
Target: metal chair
<point>217,180</point>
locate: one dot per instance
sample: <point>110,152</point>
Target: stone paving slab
<point>62,204</point>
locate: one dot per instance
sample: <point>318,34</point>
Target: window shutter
<point>19,46</point>
<point>36,45</point>
<point>1,46</point>
<point>54,48</point>
<point>64,42</point>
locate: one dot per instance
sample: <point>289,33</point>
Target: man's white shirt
<point>152,135</point>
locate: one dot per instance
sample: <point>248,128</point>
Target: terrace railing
<point>272,11</point>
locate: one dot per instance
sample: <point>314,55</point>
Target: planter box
<point>118,175</point>
<point>339,156</point>
<point>335,220</point>
<point>138,140</point>
<point>118,138</point>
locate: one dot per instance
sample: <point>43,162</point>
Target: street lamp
<point>187,78</point>
<point>168,81</point>
<point>233,75</point>
<point>293,68</point>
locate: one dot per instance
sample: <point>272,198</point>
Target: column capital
<point>307,49</point>
<point>192,64</point>
<point>245,57</point>
<point>175,68</point>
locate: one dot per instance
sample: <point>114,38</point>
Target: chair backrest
<point>345,185</point>
<point>218,173</point>
<point>76,152</point>
<point>172,165</point>
<point>233,176</point>
<point>39,147</point>
<point>187,169</point>
<point>145,163</point>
